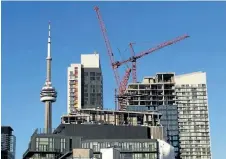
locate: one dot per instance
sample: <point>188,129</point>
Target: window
<point>92,73</point>
<point>62,145</point>
<point>98,74</point>
<point>42,144</point>
<point>85,73</point>
<point>86,78</point>
<point>86,86</point>
<point>71,73</point>
<point>92,101</point>
<point>85,101</point>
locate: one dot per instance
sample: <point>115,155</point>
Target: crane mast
<point>134,66</point>
<point>124,82</point>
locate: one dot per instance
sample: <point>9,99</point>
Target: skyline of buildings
<point>199,106</point>
<point>181,101</point>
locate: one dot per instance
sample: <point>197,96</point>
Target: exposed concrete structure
<point>82,153</point>
<point>85,84</point>
<point>182,101</point>
<point>48,93</point>
<point>157,93</point>
<point>119,118</point>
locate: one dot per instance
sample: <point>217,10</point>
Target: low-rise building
<point>133,142</point>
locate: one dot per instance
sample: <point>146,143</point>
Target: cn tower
<point>48,93</point>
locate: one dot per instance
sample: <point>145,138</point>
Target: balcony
<point>29,152</point>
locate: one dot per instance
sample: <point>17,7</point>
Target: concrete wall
<point>90,60</point>
<point>191,78</point>
<point>83,153</point>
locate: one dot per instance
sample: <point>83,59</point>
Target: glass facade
<point>8,144</point>
<point>169,121</point>
<point>134,150</point>
<point>50,147</point>
<point>45,144</point>
<point>92,88</point>
<point>139,108</point>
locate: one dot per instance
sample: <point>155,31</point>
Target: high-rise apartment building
<point>182,101</point>
<point>8,143</point>
<point>85,83</point>
<point>191,94</point>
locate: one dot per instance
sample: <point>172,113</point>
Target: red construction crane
<point>124,81</point>
<point>133,63</point>
<point>121,85</point>
<point>108,45</point>
<point>133,58</point>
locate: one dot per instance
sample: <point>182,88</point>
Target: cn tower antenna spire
<point>48,93</point>
<point>49,42</point>
<point>49,59</point>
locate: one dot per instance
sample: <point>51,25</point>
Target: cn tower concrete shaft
<point>48,116</point>
<point>48,93</point>
<point>48,71</point>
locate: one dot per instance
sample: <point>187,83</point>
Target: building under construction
<point>182,101</point>
<point>118,118</point>
<point>157,93</point>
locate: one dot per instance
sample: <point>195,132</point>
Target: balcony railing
<point>42,131</point>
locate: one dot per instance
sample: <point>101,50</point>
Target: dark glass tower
<point>8,143</point>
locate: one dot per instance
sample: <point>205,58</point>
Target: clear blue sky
<point>75,30</point>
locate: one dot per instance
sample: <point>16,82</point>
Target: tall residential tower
<point>191,94</point>
<point>48,93</point>
<point>85,84</point>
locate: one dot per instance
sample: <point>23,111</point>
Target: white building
<point>84,84</point>
<point>110,153</point>
<point>194,131</point>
